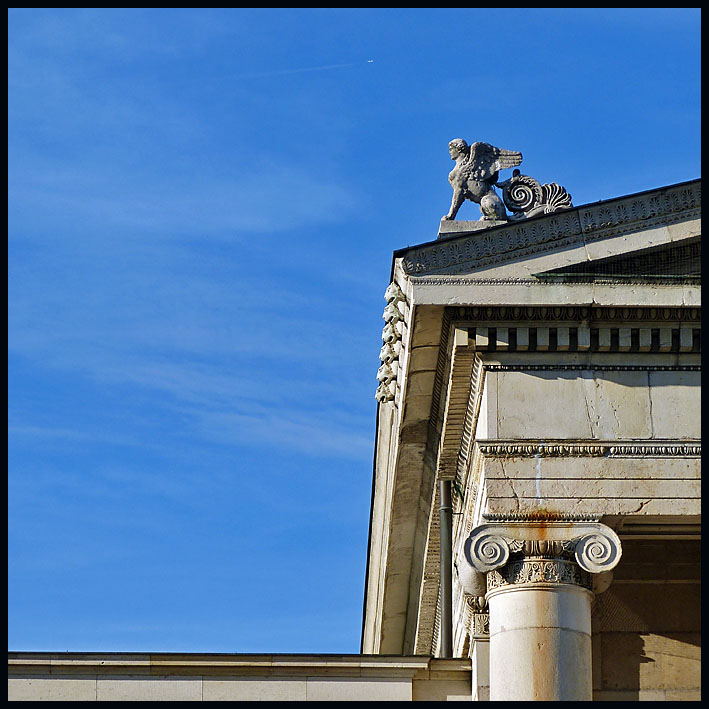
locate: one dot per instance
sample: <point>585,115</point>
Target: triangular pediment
<point>654,234</point>
<point>673,260</point>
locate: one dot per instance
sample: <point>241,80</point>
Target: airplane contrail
<point>282,72</point>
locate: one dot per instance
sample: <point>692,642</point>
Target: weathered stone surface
<point>533,631</point>
<point>57,689</point>
<point>598,404</point>
<point>651,661</point>
<point>357,689</point>
<point>153,689</point>
<point>207,677</point>
<point>441,690</point>
<point>254,689</point>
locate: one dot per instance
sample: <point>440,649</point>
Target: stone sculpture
<point>475,176</point>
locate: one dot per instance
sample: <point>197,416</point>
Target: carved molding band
<point>592,367</point>
<point>631,340</point>
<point>536,517</point>
<point>391,348</point>
<point>598,280</point>
<point>531,570</point>
<point>586,450</point>
<point>570,312</point>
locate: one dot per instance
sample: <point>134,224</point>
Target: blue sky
<point>203,206</point>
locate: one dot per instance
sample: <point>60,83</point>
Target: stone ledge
<point>95,664</point>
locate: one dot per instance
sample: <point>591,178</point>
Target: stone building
<point>535,523</point>
<point>538,440</point>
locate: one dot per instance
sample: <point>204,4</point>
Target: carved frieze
<point>603,449</point>
<point>535,517</point>
<point>526,571</point>
<point>536,313</point>
<point>599,280</point>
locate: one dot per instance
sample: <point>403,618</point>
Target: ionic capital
<point>542,552</point>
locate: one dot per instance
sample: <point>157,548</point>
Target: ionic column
<point>540,581</point>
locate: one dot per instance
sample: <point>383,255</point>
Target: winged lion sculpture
<point>475,173</point>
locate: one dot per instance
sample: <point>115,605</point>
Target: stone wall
<point>212,677</point>
<point>646,639</point>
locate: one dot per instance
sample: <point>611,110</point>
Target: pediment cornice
<point>470,251</point>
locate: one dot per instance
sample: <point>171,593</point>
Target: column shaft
<point>540,643</point>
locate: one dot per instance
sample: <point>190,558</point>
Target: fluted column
<point>540,581</point>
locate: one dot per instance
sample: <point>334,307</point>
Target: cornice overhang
<point>476,249</point>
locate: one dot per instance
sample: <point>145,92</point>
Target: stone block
<point>51,689</point>
<point>603,405</point>
<point>480,659</point>
<point>339,689</point>
<point>593,489</point>
<point>649,662</point>
<point>434,690</point>
<point>643,608</point>
<point>686,338</point>
<point>524,410</point>
<point>685,230</point>
<point>642,239</point>
<point>487,426</point>
<point>248,689</point>
<point>676,404</point>
<point>624,339</point>
<point>427,325</point>
<point>565,469</point>
<point>604,339</point>
<point>420,383</point>
<point>644,339</point>
<point>460,337</point>
<point>423,358</point>
<point>542,338</point>
<point>683,695</point>
<point>153,689</point>
<point>575,505</point>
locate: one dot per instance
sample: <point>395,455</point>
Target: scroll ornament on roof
<point>476,174</point>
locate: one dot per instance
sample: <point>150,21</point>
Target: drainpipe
<point>446,566</point>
